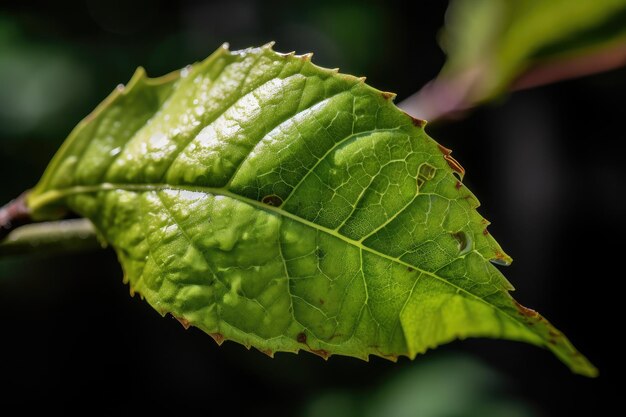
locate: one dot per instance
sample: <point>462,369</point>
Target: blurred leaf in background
<point>447,385</point>
<point>38,83</point>
<point>493,46</point>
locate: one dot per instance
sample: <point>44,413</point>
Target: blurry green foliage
<point>38,83</point>
<point>443,386</point>
<point>490,43</point>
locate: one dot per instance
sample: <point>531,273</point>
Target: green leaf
<point>285,206</point>
<point>490,43</point>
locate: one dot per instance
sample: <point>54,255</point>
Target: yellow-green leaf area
<point>289,207</point>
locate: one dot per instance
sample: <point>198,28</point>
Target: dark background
<point>545,163</point>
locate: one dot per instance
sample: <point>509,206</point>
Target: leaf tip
<point>420,123</point>
<point>322,353</point>
<point>218,337</point>
<point>183,321</point>
<point>587,369</point>
<point>225,46</point>
<point>452,163</point>
<point>305,57</point>
<point>138,76</point>
<point>269,45</point>
<point>286,55</point>
<point>501,258</point>
<point>388,96</point>
<point>268,352</point>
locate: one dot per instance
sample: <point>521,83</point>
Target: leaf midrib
<point>52,196</point>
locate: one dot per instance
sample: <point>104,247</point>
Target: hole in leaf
<point>464,240</point>
<point>425,173</point>
<point>272,200</point>
<point>501,259</point>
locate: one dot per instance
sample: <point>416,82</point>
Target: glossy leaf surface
<point>285,206</point>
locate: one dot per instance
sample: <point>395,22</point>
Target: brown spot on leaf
<point>525,311</point>
<point>444,150</point>
<point>321,352</point>
<point>272,200</point>
<point>268,352</point>
<point>218,337</point>
<point>378,352</point>
<point>410,269</point>
<point>301,338</point>
<point>501,259</point>
<point>321,301</point>
<point>458,185</point>
<point>461,238</point>
<point>417,122</point>
<point>485,231</point>
<point>464,241</point>
<point>453,163</point>
<point>387,96</point>
<point>183,321</point>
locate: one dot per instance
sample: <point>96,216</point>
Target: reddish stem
<point>14,214</point>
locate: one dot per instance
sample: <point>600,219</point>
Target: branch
<point>19,235</point>
<point>603,60</point>
<point>450,96</point>
<point>14,214</point>
<point>75,235</point>
<point>441,98</point>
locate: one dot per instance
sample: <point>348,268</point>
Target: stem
<point>19,235</point>
<point>14,214</point>
<point>572,67</point>
<point>450,96</point>
<point>75,235</point>
<point>441,98</point>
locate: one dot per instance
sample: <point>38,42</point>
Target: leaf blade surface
<point>269,201</point>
